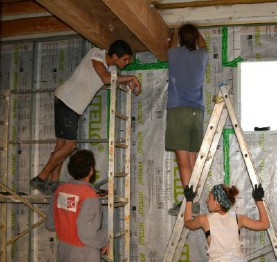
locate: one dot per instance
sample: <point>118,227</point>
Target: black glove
<point>189,194</point>
<point>258,193</point>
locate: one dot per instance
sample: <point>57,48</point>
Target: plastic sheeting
<point>155,178</point>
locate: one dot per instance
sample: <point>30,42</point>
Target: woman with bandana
<point>221,226</point>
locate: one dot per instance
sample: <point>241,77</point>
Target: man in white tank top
<point>72,99</point>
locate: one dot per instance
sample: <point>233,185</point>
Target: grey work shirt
<point>91,234</point>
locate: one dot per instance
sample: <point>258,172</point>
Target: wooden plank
<point>182,4</point>
<point>90,18</point>
<point>216,15</point>
<point>145,22</point>
<point>127,182</point>
<point>32,27</point>
<point>24,9</point>
<point>111,184</point>
<point>111,22</point>
<point>72,13</point>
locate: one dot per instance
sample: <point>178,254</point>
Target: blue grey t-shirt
<point>186,76</point>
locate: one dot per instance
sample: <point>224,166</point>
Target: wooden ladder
<point>119,171</point>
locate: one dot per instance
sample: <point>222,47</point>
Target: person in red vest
<point>75,213</point>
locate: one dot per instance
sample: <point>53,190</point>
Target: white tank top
<point>225,244</point>
<point>78,91</point>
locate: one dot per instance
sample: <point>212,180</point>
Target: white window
<point>258,95</point>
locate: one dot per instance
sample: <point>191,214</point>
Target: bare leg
<point>62,150</point>
<point>186,161</point>
<point>56,172</point>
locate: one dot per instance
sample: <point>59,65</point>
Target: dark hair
<point>231,192</point>
<point>188,35</point>
<point>80,163</point>
<point>120,48</point>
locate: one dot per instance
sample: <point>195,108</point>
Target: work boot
<point>52,186</point>
<point>38,183</point>
<point>174,211</point>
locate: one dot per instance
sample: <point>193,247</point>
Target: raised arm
<point>201,41</point>
<point>263,222</point>
<point>174,38</point>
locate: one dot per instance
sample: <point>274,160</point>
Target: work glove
<point>189,194</point>
<point>258,193</point>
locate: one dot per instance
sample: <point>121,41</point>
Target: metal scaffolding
<point>118,199</point>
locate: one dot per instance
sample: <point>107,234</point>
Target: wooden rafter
<point>34,26</point>
<point>160,5</point>
<point>72,13</point>
<point>24,9</point>
<point>145,22</point>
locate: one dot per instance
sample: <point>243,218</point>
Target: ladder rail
<point>248,161</point>
<point>124,175</point>
<point>203,178</point>
<point>195,178</point>
<point>111,164</point>
<point>127,186</point>
<point>202,166</point>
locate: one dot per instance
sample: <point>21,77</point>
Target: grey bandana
<point>221,197</point>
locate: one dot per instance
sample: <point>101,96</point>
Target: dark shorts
<point>66,121</point>
<point>184,129</point>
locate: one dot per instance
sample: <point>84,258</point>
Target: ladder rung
<point>119,234</point>
<point>106,258</point>
<point>121,145</point>
<point>117,199</point>
<point>120,174</point>
<point>121,116</point>
<point>123,87</point>
<point>120,204</point>
<point>120,86</point>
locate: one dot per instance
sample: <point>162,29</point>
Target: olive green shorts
<point>184,129</point>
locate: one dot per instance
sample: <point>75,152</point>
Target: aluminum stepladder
<point>222,108</point>
<point>119,171</point>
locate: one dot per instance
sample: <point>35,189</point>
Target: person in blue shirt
<point>185,107</point>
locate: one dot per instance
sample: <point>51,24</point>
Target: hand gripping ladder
<point>223,107</point>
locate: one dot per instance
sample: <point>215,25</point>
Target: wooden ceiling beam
<point>217,15</point>
<point>161,5</point>
<point>31,28</point>
<point>145,22</point>
<point>24,9</point>
<point>81,20</point>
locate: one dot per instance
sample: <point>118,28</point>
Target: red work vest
<point>67,202</point>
